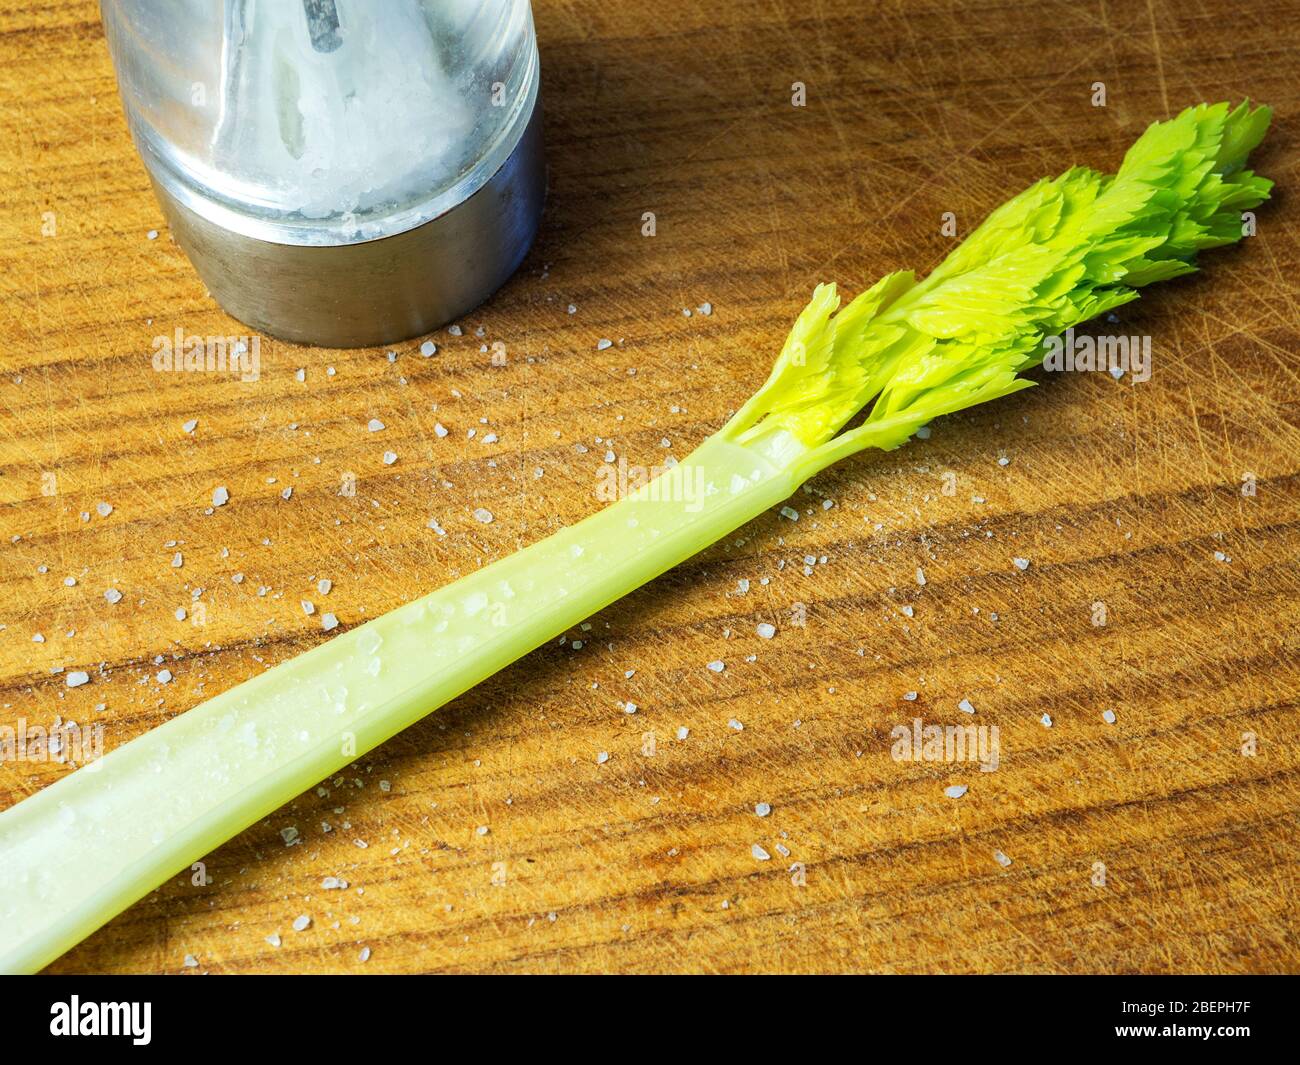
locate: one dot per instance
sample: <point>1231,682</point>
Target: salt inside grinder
<point>340,172</point>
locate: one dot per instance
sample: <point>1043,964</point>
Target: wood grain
<point>1117,493</point>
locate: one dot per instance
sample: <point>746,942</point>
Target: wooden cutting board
<point>1158,586</point>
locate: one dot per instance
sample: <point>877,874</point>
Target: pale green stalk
<point>83,849</point>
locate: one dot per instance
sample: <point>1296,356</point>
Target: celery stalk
<point>85,848</point>
<point>151,807</point>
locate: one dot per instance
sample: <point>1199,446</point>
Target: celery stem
<point>85,848</point>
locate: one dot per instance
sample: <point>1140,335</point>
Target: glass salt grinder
<point>339,172</point>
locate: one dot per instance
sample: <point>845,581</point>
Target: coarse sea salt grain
<point>482,514</point>
<point>955,791</point>
<point>220,496</point>
<point>328,621</point>
<point>763,809</point>
<point>77,678</point>
<point>1108,716</point>
<point>301,923</point>
<point>765,630</point>
<point>1001,859</point>
<point>759,853</point>
<point>717,666</point>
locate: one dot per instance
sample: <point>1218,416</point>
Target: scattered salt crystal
<point>604,343</point>
<point>77,678</point>
<point>428,348</point>
<point>965,707</point>
<point>274,939</point>
<point>765,630</point>
<point>602,757</point>
<point>301,923</point>
<point>113,595</point>
<point>1046,719</point>
<point>1021,563</point>
<point>308,607</point>
<point>191,962</point>
<point>1108,716</point>
<point>375,425</point>
<point>1001,859</point>
<point>763,809</point>
<point>164,676</point>
<point>717,666</point>
<point>734,724</point>
<point>920,576</point>
<point>682,732</point>
<point>390,457</point>
<point>324,585</point>
<point>955,791</point>
<point>759,853</point>
<point>328,621</point>
<point>365,954</point>
<point>483,514</point>
<point>220,496</point>
<point>104,509</point>
<point>190,425</point>
<point>790,512</point>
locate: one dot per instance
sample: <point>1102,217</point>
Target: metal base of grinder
<point>378,291</point>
